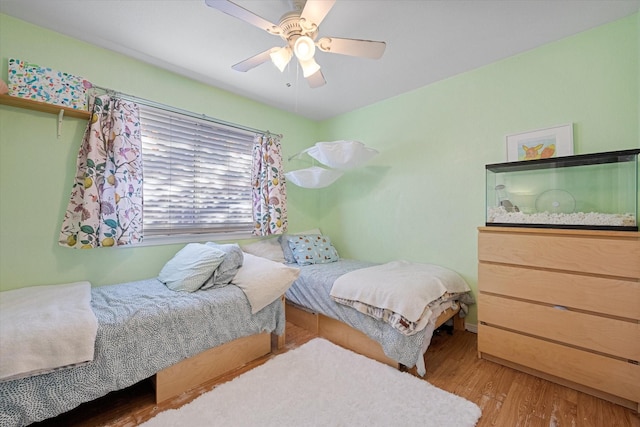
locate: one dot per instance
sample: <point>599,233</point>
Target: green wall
<point>37,169</point>
<point>421,199</point>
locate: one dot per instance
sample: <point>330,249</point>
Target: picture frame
<point>543,143</point>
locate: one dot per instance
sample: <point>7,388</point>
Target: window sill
<point>193,238</point>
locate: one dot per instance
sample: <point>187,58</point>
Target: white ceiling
<point>427,41</point>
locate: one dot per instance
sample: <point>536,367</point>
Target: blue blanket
<point>143,327</point>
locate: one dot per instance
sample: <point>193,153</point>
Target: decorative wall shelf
<point>44,107</point>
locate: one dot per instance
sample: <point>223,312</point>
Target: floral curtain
<point>269,191</point>
<point>105,208</point>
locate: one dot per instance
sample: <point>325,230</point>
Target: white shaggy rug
<point>321,384</point>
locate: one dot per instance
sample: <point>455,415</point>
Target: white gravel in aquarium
<point>501,215</point>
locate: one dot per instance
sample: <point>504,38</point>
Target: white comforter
<point>43,328</point>
<point>400,287</point>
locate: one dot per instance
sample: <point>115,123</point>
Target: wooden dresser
<point>563,305</point>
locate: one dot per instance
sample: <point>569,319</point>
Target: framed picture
<point>540,144</point>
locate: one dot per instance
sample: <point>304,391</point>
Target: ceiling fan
<point>299,29</point>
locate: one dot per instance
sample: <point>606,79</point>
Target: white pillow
<point>263,280</point>
<point>267,248</point>
<point>191,267</point>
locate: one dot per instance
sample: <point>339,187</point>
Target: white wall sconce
<point>339,156</point>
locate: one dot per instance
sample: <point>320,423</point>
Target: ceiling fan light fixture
<point>299,28</point>
<point>304,48</point>
<point>281,57</point>
<point>309,67</point>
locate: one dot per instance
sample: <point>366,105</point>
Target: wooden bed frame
<point>213,363</point>
<point>346,336</point>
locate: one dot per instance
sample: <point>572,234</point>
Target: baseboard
<point>471,327</point>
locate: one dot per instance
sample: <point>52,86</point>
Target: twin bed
<point>310,304</point>
<point>146,330</point>
<point>182,339</point>
<point>314,303</point>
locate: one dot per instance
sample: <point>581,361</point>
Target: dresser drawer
<point>610,255</point>
<point>615,337</point>
<point>612,376</point>
<point>610,296</point>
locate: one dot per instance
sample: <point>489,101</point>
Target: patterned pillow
<point>312,249</point>
<point>190,268</point>
<point>286,250</point>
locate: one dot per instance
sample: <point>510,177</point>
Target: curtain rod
<point>181,111</point>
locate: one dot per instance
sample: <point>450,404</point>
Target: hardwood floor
<point>506,397</point>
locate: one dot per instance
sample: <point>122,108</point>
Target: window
<point>197,175</point>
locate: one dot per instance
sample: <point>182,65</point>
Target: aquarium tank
<point>596,191</point>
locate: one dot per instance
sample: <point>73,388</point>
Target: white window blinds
<point>197,175</point>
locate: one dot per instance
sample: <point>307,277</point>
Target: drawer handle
<point>560,307</point>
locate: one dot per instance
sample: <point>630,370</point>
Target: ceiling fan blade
<point>254,61</point>
<point>316,79</point>
<point>240,12</point>
<point>353,47</point>
<point>314,12</point>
